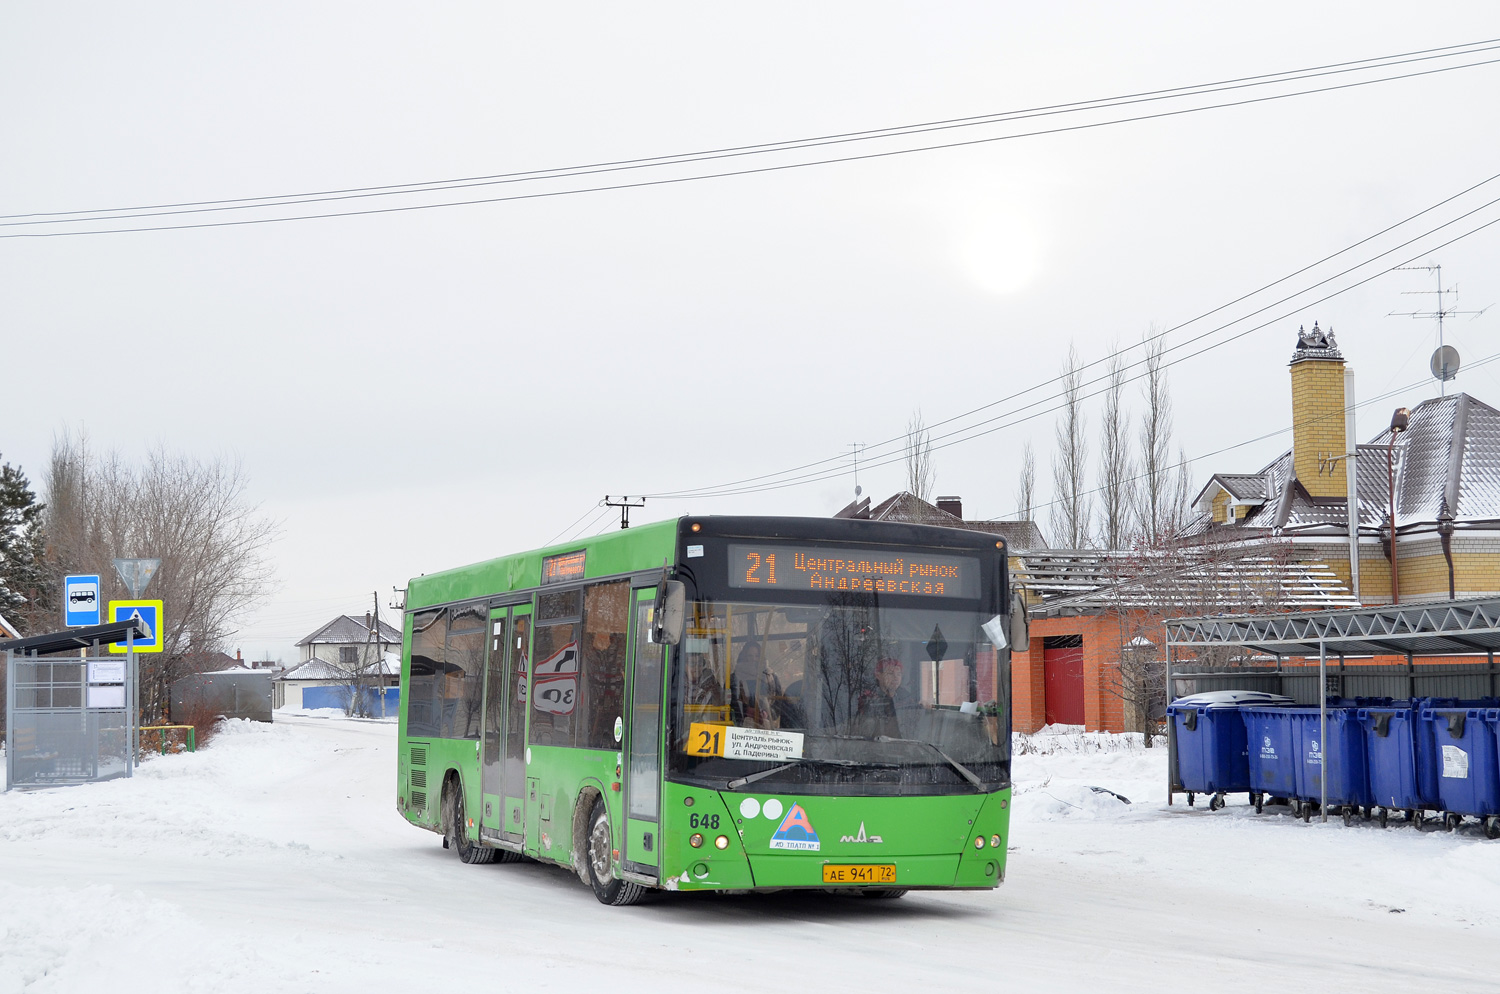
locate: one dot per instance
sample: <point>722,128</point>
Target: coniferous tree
<point>21,544</point>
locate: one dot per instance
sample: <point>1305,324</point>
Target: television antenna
<point>1444,364</point>
<point>857,446</point>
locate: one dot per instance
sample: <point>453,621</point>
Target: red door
<point>1062,672</point>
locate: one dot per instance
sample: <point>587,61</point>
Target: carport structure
<point>1466,632</point>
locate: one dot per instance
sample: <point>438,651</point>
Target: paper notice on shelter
<point>1455,763</point>
<point>761,743</point>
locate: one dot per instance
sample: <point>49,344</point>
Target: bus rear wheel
<point>883,893</point>
<point>608,888</point>
<point>455,834</point>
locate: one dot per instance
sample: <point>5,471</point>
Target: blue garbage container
<point>1344,754</point>
<point>1210,739</point>
<point>1396,753</point>
<point>1271,753</point>
<point>1467,758</point>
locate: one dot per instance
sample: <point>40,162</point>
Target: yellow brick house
<point>1446,470</point>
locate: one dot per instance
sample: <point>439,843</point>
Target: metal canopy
<point>79,638</point>
<point>1444,628</point>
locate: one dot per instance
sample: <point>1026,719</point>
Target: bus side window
<point>606,623</point>
<point>423,695</point>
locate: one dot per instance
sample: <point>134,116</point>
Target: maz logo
<point>861,837</point>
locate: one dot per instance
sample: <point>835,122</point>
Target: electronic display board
<point>755,565</point>
<point>567,566</point>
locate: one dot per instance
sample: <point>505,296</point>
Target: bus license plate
<point>859,873</point>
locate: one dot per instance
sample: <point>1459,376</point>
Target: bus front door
<point>502,773</point>
<point>643,779</point>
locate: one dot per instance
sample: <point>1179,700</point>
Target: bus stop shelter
<point>71,718</point>
<point>1464,634</point>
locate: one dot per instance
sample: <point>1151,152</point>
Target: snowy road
<point>274,860</point>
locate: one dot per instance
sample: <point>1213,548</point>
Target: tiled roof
<point>1449,452</point>
<point>345,630</point>
<point>908,508</point>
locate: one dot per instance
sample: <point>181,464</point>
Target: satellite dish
<point>1444,363</point>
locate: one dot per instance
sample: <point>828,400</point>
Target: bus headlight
<point>995,841</point>
<point>722,842</point>
<point>979,842</point>
<point>695,840</point>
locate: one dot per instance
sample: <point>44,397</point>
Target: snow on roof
<point>345,630</point>
<point>322,669</point>
<point>7,629</point>
<point>1449,454</point>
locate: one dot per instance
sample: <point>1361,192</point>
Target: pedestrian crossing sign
<point>149,612</point>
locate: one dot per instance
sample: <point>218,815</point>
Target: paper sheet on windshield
<point>734,742</point>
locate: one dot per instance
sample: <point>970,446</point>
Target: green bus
<point>719,703</point>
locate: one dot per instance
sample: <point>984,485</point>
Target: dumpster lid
<point>1230,699</point>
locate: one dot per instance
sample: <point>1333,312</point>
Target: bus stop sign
<point>81,606</point>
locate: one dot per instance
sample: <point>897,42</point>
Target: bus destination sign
<point>561,568</point>
<point>817,567</point>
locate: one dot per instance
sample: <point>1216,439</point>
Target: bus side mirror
<point>671,612</point>
<point>1020,626</point>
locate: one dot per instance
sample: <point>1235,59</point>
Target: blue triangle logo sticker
<point>796,832</point>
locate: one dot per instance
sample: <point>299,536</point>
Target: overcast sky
<point>414,391</point>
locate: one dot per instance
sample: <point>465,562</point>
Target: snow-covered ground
<point>274,860</point>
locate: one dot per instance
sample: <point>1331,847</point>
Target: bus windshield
<point>850,696</point>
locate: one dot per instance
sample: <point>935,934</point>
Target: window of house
<point>348,655</point>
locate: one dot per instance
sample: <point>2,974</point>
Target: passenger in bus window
<point>879,704</point>
<point>704,689</point>
<point>755,689</point>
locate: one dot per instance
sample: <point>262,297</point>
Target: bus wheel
<point>883,893</point>
<point>607,887</point>
<point>454,835</point>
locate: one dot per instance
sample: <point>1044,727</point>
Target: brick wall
<point>1102,708</point>
<point>1318,424</point>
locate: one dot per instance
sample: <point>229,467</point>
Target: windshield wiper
<point>846,763</point>
<point>963,770</point>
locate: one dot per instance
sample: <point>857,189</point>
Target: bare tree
<point>1116,484</point>
<point>192,515</point>
<point>1153,488</point>
<point>918,458</point>
<point>1070,503</point>
<point>1026,487</point>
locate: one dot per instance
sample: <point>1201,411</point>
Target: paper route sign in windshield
<point>734,742</point>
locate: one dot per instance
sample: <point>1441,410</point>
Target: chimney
<point>369,622</point>
<point>237,657</point>
<point>1318,413</point>
<point>953,505</point>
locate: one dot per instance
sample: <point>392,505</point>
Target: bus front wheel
<point>608,888</point>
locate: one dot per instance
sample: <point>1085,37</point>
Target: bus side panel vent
<point>418,799</point>
<point>419,779</point>
<point>418,756</point>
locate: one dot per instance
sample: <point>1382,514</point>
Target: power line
<point>969,433</point>
<point>65,217</point>
<point>1151,338</point>
<point>1446,51</point>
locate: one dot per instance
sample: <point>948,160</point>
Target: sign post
<point>81,601</point>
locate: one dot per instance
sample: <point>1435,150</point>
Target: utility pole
<point>624,504</point>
